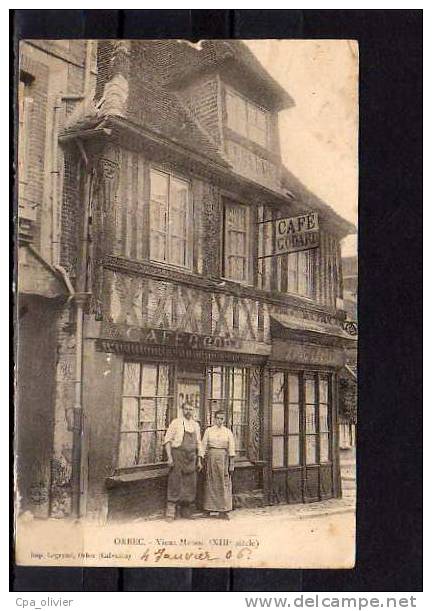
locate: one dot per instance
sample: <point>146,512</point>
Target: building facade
<point>52,78</point>
<point>172,178</point>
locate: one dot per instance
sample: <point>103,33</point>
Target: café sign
<point>295,233</point>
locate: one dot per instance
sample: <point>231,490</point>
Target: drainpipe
<point>80,300</point>
<point>55,251</point>
<point>80,295</point>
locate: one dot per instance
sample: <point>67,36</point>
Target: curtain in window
<point>228,389</point>
<point>236,242</point>
<point>146,406</point>
<point>246,118</point>
<point>169,219</point>
<point>293,444</point>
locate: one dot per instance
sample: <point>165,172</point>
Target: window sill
<point>244,463</point>
<point>140,474</point>
<point>171,266</point>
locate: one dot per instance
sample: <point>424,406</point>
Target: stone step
<point>349,484</point>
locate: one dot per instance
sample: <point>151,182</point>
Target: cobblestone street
<point>298,511</point>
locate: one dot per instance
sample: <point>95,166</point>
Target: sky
<point>319,134</point>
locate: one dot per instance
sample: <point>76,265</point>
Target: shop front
<point>151,390</point>
<point>303,458</point>
<point>279,401</point>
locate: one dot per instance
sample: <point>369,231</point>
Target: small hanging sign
<point>294,234</point>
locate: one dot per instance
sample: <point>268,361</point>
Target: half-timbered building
<point>173,176</point>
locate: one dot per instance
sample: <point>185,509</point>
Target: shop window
<point>246,118</point>
<point>293,420</point>
<point>311,424</point>
<point>170,219</point>
<point>324,420</point>
<point>237,245</point>
<point>296,398</point>
<point>146,410</point>
<point>278,419</point>
<point>229,390</point>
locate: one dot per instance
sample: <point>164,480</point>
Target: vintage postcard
<point>186,303</point>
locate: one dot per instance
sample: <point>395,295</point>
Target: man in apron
<point>182,444</point>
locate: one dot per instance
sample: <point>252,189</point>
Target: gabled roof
<point>156,109</point>
<point>162,111</point>
<point>178,60</point>
<point>298,191</point>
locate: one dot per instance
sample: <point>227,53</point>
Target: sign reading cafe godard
<point>296,233</point>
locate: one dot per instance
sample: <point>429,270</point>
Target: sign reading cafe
<point>295,233</point>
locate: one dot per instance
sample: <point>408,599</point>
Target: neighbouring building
<point>172,176</point>
<point>52,78</point>
<point>348,376</point>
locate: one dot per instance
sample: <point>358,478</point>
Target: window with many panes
<point>237,242</point>
<point>300,273</point>
<point>170,219</point>
<point>289,273</point>
<point>228,391</point>
<point>145,414</point>
<point>300,419</point>
<point>246,118</point>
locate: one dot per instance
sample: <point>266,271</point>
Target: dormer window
<point>246,118</point>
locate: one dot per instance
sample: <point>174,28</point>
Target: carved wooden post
<point>105,181</point>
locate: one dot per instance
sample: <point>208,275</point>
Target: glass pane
<point>278,452</point>
<point>127,449</point>
<point>129,420</point>
<point>178,252</point>
<point>323,390</point>
<point>278,387</point>
<point>238,392</point>
<point>324,447</point>
<point>147,448</point>
<point>236,113</point>
<point>323,411</point>
<point>236,217</point>
<point>217,383</point>
<point>215,405</point>
<point>310,419</point>
<point>237,431</point>
<point>293,450</point>
<point>293,418</point>
<point>237,417</point>
<point>131,376</point>
<point>293,386</point>
<point>158,217</point>
<point>163,383</point>
<point>159,186</point>
<point>149,381</point>
<point>310,449</point>
<point>158,246</point>
<point>278,425</point>
<point>302,273</point>
<point>162,414</point>
<point>159,447</point>
<point>292,273</point>
<point>148,414</point>
<point>310,391</point>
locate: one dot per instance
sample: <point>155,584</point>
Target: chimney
<point>112,87</point>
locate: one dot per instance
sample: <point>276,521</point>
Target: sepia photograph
<point>186,303</point>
